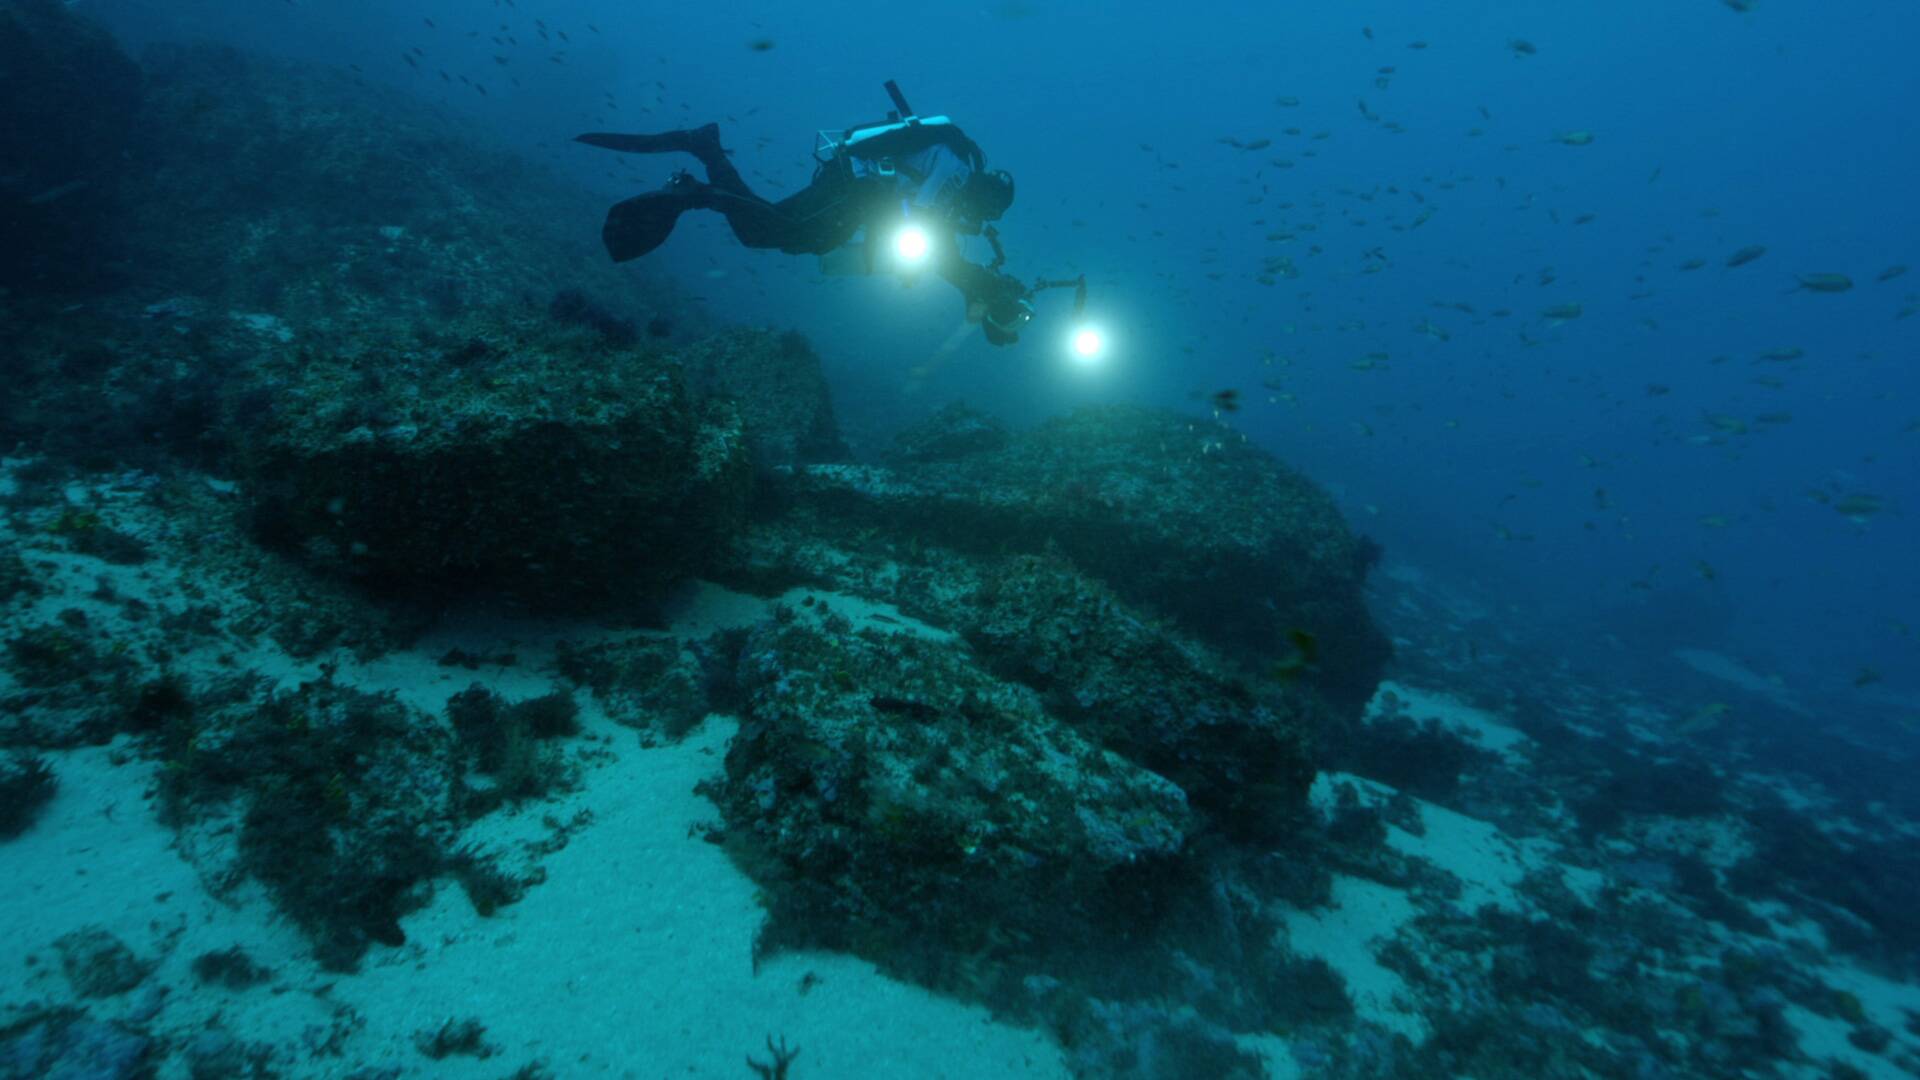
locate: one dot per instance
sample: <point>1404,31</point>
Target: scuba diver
<point>919,179</point>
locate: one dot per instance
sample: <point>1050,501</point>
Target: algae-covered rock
<point>1131,682</point>
<point>71,99</point>
<point>777,382</point>
<point>1147,692</point>
<point>953,432</point>
<point>97,964</point>
<point>347,804</point>
<point>507,454</point>
<point>893,786</point>
<point>653,683</point>
<point>1190,520</point>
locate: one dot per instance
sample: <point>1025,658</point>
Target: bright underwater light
<point>911,243</point>
<point>1088,344</point>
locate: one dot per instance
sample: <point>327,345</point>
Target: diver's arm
<point>997,301</point>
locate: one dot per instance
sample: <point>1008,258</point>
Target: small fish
<point>1823,283</point>
<point>1867,677</point>
<point>1225,400</point>
<point>1658,390</point>
<point>761,44</point>
<point>1574,138</point>
<point>1890,273</point>
<point>1781,356</point>
<point>1859,507</point>
<point>61,191</point>
<point>1303,660</point>
<point>1560,313</point>
<point>1746,255</point>
<point>1522,47</point>
<point>1287,102</point>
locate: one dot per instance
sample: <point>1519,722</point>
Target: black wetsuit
<point>848,193</point>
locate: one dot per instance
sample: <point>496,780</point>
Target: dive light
<point>1087,342</point>
<point>911,244</point>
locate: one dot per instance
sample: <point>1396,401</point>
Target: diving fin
<point>701,142</point>
<point>642,223</point>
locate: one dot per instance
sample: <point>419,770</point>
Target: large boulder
<point>892,788</point>
<point>1145,690</point>
<point>776,380</point>
<point>1184,518</point>
<point>505,454</point>
<point>71,101</point>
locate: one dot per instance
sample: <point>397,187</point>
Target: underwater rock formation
<point>776,380</point>
<point>1213,532</point>
<point>896,788</point>
<point>71,101</point>
<point>1140,687</point>
<point>953,432</point>
<point>513,456</point>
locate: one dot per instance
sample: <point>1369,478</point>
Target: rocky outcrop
<point>776,381</point>
<point>1188,520</point>
<point>506,455</point>
<point>894,787</point>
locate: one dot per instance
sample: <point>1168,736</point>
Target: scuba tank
<point>870,150</point>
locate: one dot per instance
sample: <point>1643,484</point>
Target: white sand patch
<point>1477,725</point>
<point>1489,863</point>
<point>1364,914</point>
<point>1824,1038</point>
<point>98,857</point>
<point>703,609</point>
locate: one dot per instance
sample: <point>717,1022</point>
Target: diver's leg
<point>819,217</point>
<point>702,142</point>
